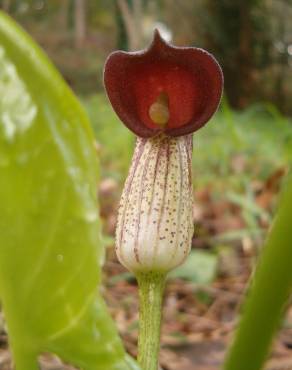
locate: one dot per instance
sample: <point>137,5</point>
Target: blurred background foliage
<point>240,158</point>
<point>252,39</point>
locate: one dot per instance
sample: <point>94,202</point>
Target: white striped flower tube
<point>155,223</point>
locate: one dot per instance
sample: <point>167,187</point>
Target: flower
<point>174,90</point>
<point>155,223</point>
<point>162,94</point>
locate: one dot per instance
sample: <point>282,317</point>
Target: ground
<point>194,334</point>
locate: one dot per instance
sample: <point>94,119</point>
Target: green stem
<point>151,288</point>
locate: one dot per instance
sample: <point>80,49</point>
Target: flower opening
<point>164,88</point>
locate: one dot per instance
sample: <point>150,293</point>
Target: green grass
<point>259,136</point>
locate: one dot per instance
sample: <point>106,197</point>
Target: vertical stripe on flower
<point>155,223</point>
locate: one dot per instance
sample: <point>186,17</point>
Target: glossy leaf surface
<point>49,224</point>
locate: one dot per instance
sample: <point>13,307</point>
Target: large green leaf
<point>49,225</point>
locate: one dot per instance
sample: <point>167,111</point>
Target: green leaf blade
<point>49,225</point>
